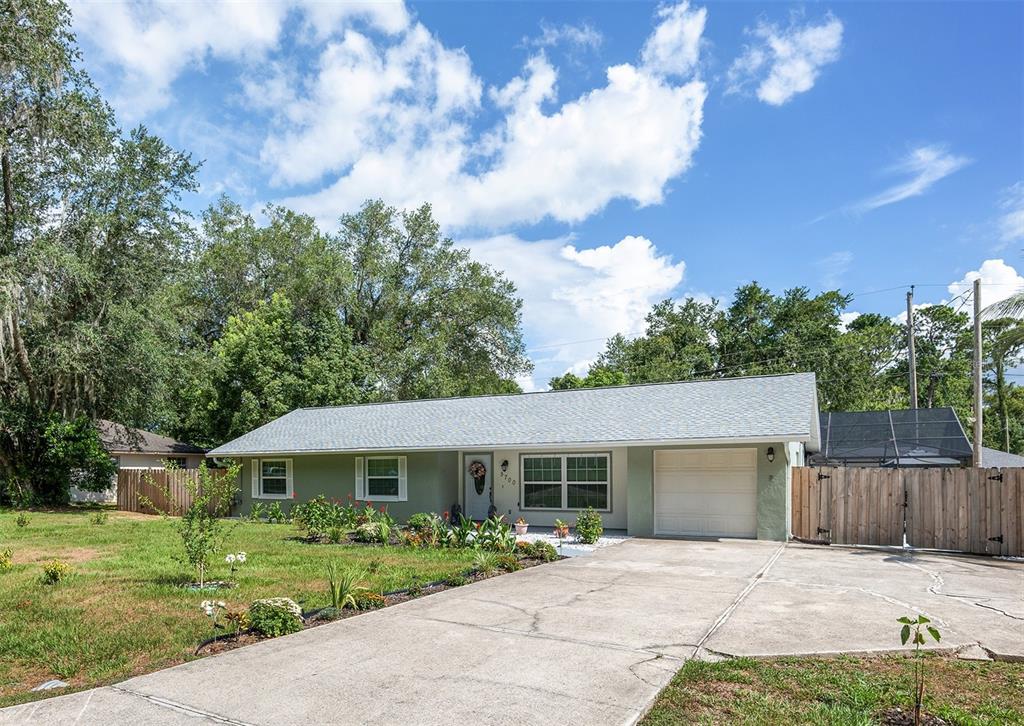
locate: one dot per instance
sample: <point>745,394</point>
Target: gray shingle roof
<point>999,459</point>
<point>120,439</point>
<point>756,408</point>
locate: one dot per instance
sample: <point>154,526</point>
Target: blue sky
<point>609,155</point>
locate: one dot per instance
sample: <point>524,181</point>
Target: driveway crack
<point>181,707</point>
<point>727,613</point>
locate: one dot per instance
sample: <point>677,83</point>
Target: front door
<point>477,484</point>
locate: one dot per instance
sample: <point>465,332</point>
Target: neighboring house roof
<point>908,437</point>
<point>761,408</point>
<point>120,439</point>
<point>999,459</point>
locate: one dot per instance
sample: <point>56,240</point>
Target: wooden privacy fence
<point>969,510</point>
<point>166,488</point>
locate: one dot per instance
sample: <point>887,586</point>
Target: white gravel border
<point>570,547</point>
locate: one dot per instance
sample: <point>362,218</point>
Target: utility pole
<point>978,413</point>
<point>910,347</point>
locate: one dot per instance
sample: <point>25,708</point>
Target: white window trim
<point>257,479</point>
<point>564,481</point>
<point>363,479</point>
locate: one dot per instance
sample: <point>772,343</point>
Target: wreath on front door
<point>478,471</point>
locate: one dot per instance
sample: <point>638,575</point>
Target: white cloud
<point>574,299</point>
<point>785,61</point>
<point>583,36</point>
<point>674,46</point>
<point>925,165</point>
<point>846,318</point>
<point>832,268</point>
<point>998,282</point>
<point>1011,223</point>
<point>146,46</point>
<point>358,119</point>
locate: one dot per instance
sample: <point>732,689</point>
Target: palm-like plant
<point>343,585</point>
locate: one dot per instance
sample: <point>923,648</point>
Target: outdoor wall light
<point>771,454</point>
<point>504,466</point>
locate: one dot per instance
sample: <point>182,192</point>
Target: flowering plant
<point>521,520</point>
<point>213,609</point>
<point>477,470</point>
<point>235,560</point>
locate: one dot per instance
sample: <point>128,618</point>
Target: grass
<point>845,690</point>
<point>124,612</point>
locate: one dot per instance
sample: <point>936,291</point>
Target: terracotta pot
<point>521,528</point>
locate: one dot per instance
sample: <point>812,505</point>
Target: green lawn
<point>124,612</point>
<point>845,690</point>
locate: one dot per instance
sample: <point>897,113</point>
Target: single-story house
<point>700,458</point>
<point>139,449</point>
<point>132,448</point>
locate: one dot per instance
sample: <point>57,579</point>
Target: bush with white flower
<point>213,609</point>
<point>236,560</point>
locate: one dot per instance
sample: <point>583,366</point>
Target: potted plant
<point>521,526</point>
<point>561,529</point>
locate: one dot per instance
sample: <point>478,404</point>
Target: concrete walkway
<point>587,640</point>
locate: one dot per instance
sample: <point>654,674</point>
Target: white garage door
<point>706,493</point>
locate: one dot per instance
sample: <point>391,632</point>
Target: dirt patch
<point>72,555</point>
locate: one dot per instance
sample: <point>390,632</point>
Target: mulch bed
<point>905,717</point>
<point>225,643</point>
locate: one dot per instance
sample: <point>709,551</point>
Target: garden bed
<point>315,618</point>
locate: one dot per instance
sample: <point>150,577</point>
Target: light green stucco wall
<point>772,490</point>
<point>433,486</point>
<point>433,481</point>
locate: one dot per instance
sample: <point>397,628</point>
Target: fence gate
<point>980,511</point>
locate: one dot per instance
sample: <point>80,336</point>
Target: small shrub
<point>456,581</point>
<point>543,551</point>
<point>275,616</point>
<point>99,518</point>
<point>6,560</point>
<point>319,517</point>
<point>420,522</point>
<point>486,562</point>
<point>22,519</point>
<point>509,563</point>
<point>589,526</point>
<point>336,535</point>
<point>55,571</point>
<point>494,534</point>
<point>524,548</point>
<point>276,515</point>
<point>343,586</point>
<point>370,532</point>
<point>256,511</point>
<point>369,600</point>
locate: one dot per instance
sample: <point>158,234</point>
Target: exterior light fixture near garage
<point>771,454</point>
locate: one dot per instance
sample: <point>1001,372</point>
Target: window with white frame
<point>272,478</point>
<point>382,478</point>
<point>566,481</point>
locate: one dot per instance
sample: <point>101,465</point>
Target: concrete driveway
<point>587,640</point>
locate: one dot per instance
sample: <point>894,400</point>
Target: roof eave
<point>803,437</point>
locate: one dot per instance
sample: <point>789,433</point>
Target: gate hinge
<point>822,530</point>
<point>997,477</point>
<point>823,476</point>
<point>998,538</point>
